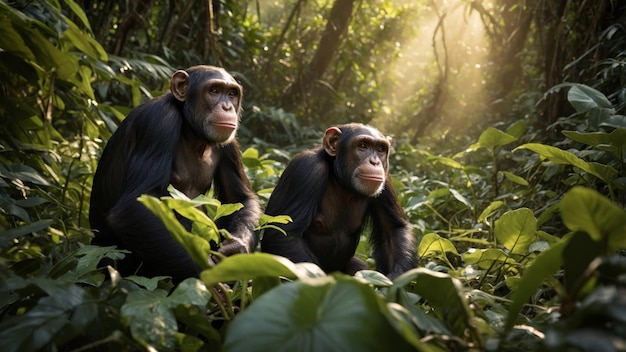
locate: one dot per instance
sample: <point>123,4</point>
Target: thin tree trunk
<point>338,21</point>
<point>281,39</point>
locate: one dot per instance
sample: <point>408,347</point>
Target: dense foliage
<point>517,194</point>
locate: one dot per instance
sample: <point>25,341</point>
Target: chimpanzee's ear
<point>330,140</point>
<point>179,84</point>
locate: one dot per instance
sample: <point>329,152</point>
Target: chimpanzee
<point>335,192</point>
<point>185,138</point>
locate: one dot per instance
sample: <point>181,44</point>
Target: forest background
<point>509,155</point>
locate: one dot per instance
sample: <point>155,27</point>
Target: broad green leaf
<point>149,284</point>
<point>78,11</point>
<point>559,156</point>
<point>518,128</point>
<point>594,139</point>
<point>8,235</point>
<point>607,172</point>
<point>614,142</point>
<point>443,293</point>
<point>28,174</point>
<point>88,259</point>
<point>438,193</point>
<point>514,178</point>
<point>189,291</point>
<point>458,196</point>
<point>278,219</point>
<point>446,161</point>
<point>489,210</point>
<point>82,81</point>
<point>584,98</point>
<point>315,315</point>
<point>250,153</point>
<point>543,266</point>
<point>538,246</point>
<point>11,40</point>
<point>83,42</point>
<point>210,233</point>
<point>250,158</point>
<point>373,277</point>
<point>586,210</point>
<point>405,322</point>
<point>251,266</point>
<point>64,313</point>
<point>227,209</point>
<point>515,230</point>
<point>193,214</point>
<point>176,194</point>
<point>432,243</point>
<point>578,253</point>
<point>615,121</point>
<point>487,258</point>
<point>263,284</point>
<point>492,138</point>
<point>150,318</point>
<point>195,318</point>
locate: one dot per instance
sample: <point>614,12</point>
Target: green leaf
<point>88,259</point>
<point>198,248</point>
<point>151,321</point>
<point>615,121</point>
<point>432,243</point>
<point>458,196</point>
<point>149,284</point>
<point>445,161</point>
<point>487,258</point>
<point>514,178</point>
<point>559,156</point>
<point>251,266</point>
<point>315,315</point>
<point>195,318</point>
<point>543,266</point>
<point>8,235</point>
<point>518,128</point>
<point>586,210</point>
<point>176,194</point>
<point>515,230</point>
<point>489,210</point>
<point>584,98</point>
<point>62,315</point>
<point>78,11</point>
<point>189,291</point>
<point>614,142</point>
<point>250,158</point>
<point>443,293</point>
<point>578,253</point>
<point>227,209</point>
<point>278,219</point>
<point>11,40</point>
<point>28,174</point>
<point>193,214</point>
<point>373,277</point>
<point>492,138</point>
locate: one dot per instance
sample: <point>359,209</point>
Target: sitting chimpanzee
<point>185,138</point>
<point>335,192</point>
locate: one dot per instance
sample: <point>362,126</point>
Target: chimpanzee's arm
<point>232,186</point>
<point>392,237</point>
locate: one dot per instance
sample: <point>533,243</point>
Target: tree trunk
<point>338,21</point>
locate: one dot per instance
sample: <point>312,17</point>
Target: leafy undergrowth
<point>521,248</point>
